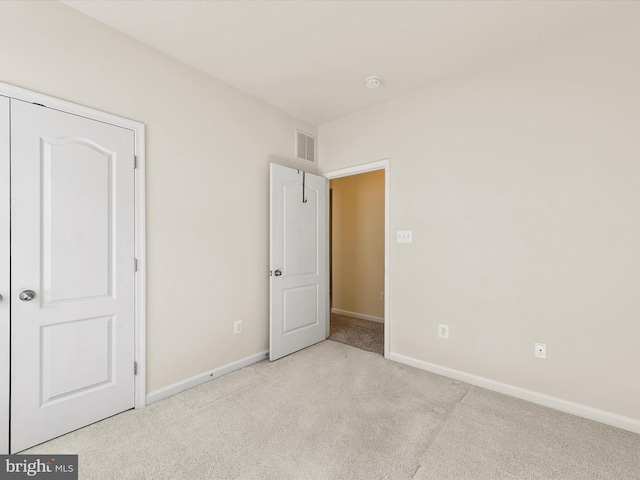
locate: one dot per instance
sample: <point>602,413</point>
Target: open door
<point>298,260</point>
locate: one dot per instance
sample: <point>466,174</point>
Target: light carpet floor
<point>336,412</point>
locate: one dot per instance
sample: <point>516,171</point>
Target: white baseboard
<point>602,416</point>
<point>196,380</point>
<point>357,315</point>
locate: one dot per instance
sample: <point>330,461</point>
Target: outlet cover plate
<point>443,331</point>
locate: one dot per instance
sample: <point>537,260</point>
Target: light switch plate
<point>404,236</point>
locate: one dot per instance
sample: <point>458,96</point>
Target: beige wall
<point>519,180</point>
<point>357,260</point>
<point>208,150</point>
<point>521,183</point>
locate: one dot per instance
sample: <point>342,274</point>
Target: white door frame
<point>140,211</point>
<point>364,168</point>
<point>5,282</point>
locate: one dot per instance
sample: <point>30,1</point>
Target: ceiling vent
<point>305,146</point>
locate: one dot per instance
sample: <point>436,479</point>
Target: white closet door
<point>4,275</point>
<point>72,272</point>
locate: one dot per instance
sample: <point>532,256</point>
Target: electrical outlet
<point>404,236</point>
<point>541,350</point>
<point>382,296</point>
<point>237,327</point>
<point>443,331</point>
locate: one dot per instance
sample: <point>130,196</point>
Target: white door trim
<point>355,170</point>
<point>140,212</point>
<point>5,302</point>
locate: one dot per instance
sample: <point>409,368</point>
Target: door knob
<point>27,295</point>
<point>277,273</point>
<point>0,298</point>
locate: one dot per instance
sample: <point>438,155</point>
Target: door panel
<point>72,244</point>
<point>73,169</point>
<point>4,275</point>
<point>300,228</point>
<point>298,249</point>
<point>62,375</point>
<point>300,305</point>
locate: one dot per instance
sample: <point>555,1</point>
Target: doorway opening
<point>358,263</point>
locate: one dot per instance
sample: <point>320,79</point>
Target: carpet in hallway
<point>362,334</point>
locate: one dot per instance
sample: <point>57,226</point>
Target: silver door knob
<point>27,295</point>
<point>0,298</point>
<point>277,273</point>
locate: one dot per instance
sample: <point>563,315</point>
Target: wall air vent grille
<point>305,146</point>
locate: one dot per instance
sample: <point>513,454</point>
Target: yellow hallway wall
<point>358,243</point>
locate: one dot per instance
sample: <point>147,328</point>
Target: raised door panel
<point>300,230</point>
<point>73,169</point>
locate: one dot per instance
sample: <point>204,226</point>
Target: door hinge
<point>135,264</point>
<point>135,162</point>
<point>135,368</point>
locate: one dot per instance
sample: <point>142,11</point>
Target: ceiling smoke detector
<point>373,82</point>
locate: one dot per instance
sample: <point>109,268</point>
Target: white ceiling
<point>310,58</point>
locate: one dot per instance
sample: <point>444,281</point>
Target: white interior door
<point>298,260</point>
<point>72,250</point>
<point>5,296</point>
